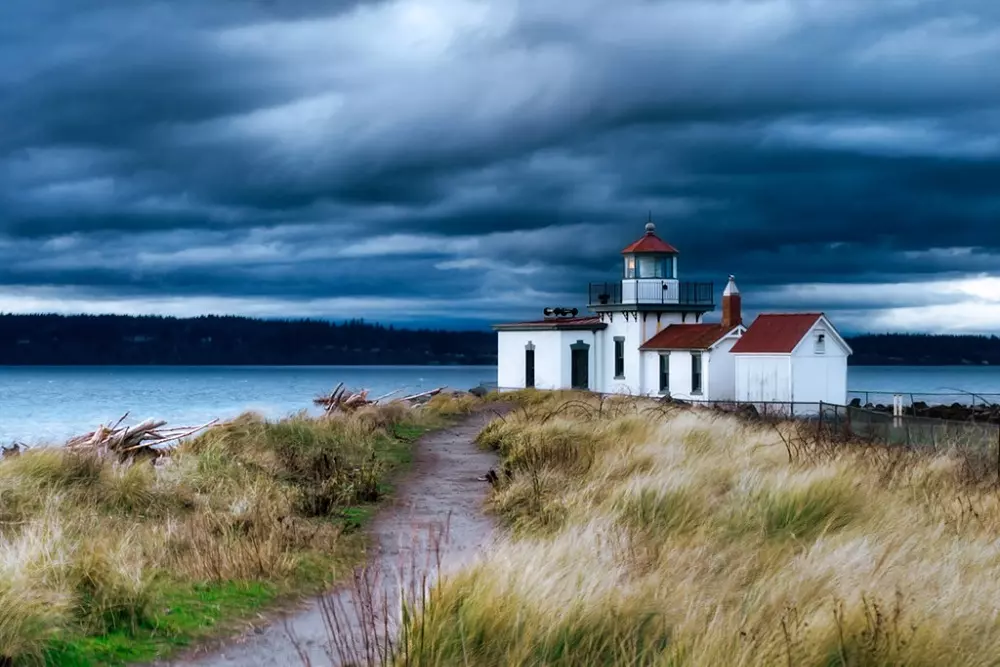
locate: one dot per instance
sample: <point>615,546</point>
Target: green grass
<point>110,564</point>
<point>188,612</point>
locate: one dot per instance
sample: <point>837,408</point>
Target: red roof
<point>776,333</point>
<point>648,244</point>
<point>687,337</point>
<point>556,323</point>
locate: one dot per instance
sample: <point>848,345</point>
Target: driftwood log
<point>150,437</point>
<point>342,399</point>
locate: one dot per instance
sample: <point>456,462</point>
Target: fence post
<point>819,424</point>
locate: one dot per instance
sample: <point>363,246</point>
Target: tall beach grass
<point>645,535</point>
<point>102,561</point>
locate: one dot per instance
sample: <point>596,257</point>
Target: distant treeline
<point>924,350</point>
<point>212,340</point>
<point>209,340</point>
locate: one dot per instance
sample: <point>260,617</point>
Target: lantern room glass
<point>649,266</point>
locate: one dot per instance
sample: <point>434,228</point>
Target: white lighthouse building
<point>647,335</point>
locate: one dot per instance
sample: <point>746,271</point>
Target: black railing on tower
<point>650,292</point>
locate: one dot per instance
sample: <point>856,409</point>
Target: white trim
<point>830,328</point>
<point>739,327</point>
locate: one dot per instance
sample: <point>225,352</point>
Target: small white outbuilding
<point>793,358</point>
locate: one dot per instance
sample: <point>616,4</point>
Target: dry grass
<point>89,546</point>
<point>452,405</point>
<point>644,536</point>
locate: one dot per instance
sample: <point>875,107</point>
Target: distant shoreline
<point>404,365</point>
<point>121,340</point>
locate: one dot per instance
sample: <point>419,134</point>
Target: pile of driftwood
<point>149,438</point>
<point>343,400</point>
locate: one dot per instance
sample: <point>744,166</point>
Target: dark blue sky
<point>469,161</point>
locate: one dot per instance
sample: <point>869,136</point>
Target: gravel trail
<point>436,518</point>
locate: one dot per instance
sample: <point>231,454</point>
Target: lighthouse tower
<point>649,297</point>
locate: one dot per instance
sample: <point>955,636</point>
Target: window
<point>665,373</point>
<point>648,267</point>
<point>619,357</point>
<point>820,343</point>
<point>529,366</point>
<point>696,372</point>
<point>630,266</point>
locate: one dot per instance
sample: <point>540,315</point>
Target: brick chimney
<point>732,306</point>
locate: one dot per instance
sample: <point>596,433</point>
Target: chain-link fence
<point>864,398</point>
<point>976,443</point>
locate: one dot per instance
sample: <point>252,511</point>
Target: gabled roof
<point>555,323</point>
<point>687,337</point>
<point>776,333</point>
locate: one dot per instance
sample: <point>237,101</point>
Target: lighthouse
<point>650,333</point>
<point>648,297</point>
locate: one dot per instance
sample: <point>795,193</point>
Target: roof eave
<point>725,336</point>
<point>630,251</point>
<point>550,327</point>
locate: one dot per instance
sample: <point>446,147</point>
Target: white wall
<point>548,358</point>
<point>763,377</point>
<point>819,375</point>
<point>723,371</point>
<point>650,373</point>
<point>638,378</point>
<point>632,331</point>
<point>680,375</point>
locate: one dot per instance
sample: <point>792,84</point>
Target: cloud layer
<point>464,161</point>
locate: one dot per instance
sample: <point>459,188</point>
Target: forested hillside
<point>924,350</point>
<point>113,339</point>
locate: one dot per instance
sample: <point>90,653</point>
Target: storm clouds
<point>460,162</point>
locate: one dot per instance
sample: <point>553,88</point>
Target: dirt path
<point>439,494</point>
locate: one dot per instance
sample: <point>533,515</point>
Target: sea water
<point>41,405</point>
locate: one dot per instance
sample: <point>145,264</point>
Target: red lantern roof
<point>650,243</point>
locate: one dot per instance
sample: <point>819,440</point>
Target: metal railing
<point>670,292</point>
